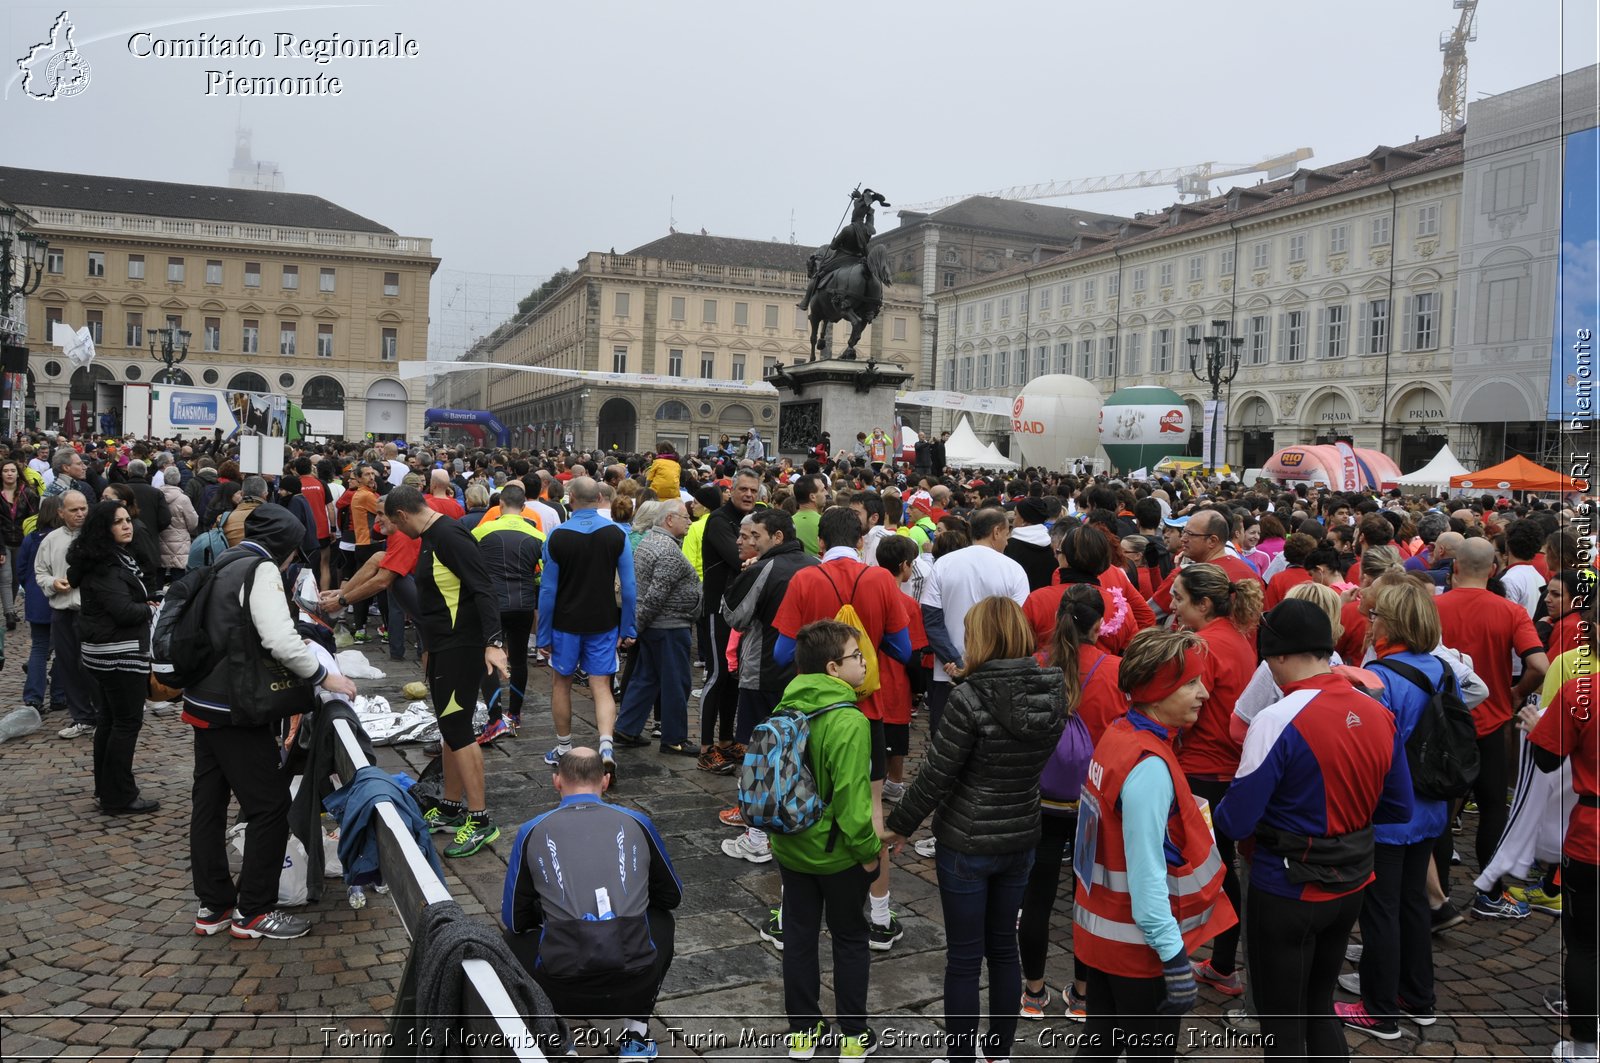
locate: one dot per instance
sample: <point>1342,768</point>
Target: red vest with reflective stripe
<point>1104,934</point>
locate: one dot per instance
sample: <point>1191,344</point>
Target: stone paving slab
<point>98,959</point>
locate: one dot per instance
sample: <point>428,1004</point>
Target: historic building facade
<point>1341,281</point>
<point>281,293</point>
<point>689,305</point>
<point>1512,196</point>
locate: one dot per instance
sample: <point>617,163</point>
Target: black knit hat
<point>1033,510</point>
<point>1295,626</point>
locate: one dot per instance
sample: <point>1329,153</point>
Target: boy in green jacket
<point>828,866</point>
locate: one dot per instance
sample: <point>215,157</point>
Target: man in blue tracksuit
<point>588,903</point>
<point>581,622</point>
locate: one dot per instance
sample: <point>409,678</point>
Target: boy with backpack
<point>827,867</point>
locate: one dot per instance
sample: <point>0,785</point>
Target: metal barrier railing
<point>494,1028</point>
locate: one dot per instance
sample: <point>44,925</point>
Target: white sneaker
<point>1350,983</point>
<point>893,791</point>
<point>76,730</point>
<point>1352,952</point>
<point>926,847</point>
<point>740,847</point>
<point>1573,1052</point>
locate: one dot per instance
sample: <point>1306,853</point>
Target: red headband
<point>1168,678</point>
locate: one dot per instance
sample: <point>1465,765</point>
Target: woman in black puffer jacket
<point>981,782</point>
<point>114,629</point>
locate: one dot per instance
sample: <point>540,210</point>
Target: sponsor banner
<point>408,370</point>
<point>955,400</point>
<point>1349,471</point>
<point>190,411</point>
<point>1214,412</point>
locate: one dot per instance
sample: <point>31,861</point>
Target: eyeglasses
<point>856,656</point>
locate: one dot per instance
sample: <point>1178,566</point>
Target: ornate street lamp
<point>1221,366</point>
<point>173,349</point>
<point>30,248</point>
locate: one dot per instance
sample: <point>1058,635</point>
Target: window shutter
<point>1283,334</point>
<point>1322,332</point>
<point>1407,325</point>
<point>1365,320</point>
<point>1530,181</point>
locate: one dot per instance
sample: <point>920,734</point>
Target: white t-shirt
<point>870,541</point>
<point>963,579</point>
<point>43,469</point>
<point>549,518</point>
<point>397,472</point>
<point>1524,586</point>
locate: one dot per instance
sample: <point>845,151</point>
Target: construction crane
<point>1453,82</point>
<point>1193,181</point>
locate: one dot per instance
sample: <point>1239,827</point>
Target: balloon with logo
<point>1053,422</point>
<point>1141,425</point>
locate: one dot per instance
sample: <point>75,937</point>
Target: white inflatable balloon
<point>1054,421</point>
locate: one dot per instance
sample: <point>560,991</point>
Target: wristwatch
<point>343,600</point>
<point>497,644</point>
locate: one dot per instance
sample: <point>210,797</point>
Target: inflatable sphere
<point>1141,425</point>
<point>1053,422</point>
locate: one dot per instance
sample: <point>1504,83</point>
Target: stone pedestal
<point>837,397</point>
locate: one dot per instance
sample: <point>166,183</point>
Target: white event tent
<point>1437,472</point>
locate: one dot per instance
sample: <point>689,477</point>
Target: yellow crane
<point>1453,82</point>
<point>1194,181</point>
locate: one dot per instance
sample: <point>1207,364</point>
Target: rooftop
<point>85,192</point>
<point>1015,215</point>
<point>711,250</point>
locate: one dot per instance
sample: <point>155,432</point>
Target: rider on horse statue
<point>849,247</point>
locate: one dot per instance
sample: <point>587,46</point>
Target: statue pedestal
<point>835,396</point>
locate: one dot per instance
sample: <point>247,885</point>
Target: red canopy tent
<point>1518,474</point>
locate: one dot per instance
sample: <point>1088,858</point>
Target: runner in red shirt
<point>1220,610</point>
<point>1561,601</point>
<point>1205,539</point>
<point>1296,549</point>
<point>1489,629</point>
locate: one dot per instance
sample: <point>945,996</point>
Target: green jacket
<point>841,757</point>
<point>694,543</point>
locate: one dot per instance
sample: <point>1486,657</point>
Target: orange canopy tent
<point>1518,474</point>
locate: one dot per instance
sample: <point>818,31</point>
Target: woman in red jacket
<point>1221,613</point>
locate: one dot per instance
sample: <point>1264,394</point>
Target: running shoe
<point>553,757</point>
<point>1033,1005</point>
<point>1555,1003</point>
<point>207,922</point>
<point>1572,1052</point>
<point>1536,898</point>
<point>1229,985</point>
<point>711,760</point>
<point>474,835</point>
<point>1241,1021</point>
<point>679,749</point>
<point>744,847</point>
<point>275,924</point>
<point>1352,952</point>
<point>732,817</point>
<point>76,730</point>
<point>882,938</point>
<point>1356,1017</point>
<point>1350,983</point>
<point>927,847</point>
<point>1501,907</point>
<point>360,637</point>
<point>893,791</point>
<point>1470,808</point>
<point>514,724</point>
<point>803,1043</point>
<point>1420,1016</point>
<point>772,931</point>
<point>732,757</point>
<point>1446,916</point>
<point>498,728</point>
<point>635,1046</point>
<point>1077,1008</point>
<point>859,1046</point>
<point>655,729</point>
<point>629,741</point>
<point>441,822</point>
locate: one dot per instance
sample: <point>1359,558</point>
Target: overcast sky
<point>525,134</point>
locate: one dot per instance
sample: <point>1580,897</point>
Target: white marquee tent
<point>993,459</point>
<point>963,450</point>
<point>1437,472</point>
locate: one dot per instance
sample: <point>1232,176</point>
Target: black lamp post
<point>173,349</point>
<point>1221,366</point>
<point>15,242</point>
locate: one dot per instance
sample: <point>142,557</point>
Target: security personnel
<point>1149,875</point>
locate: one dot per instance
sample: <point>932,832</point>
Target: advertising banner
<point>1349,472</point>
<point>178,410</point>
<point>1214,414</point>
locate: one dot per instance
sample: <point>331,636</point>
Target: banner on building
<point>955,400</point>
<point>409,370</point>
<point>1214,416</point>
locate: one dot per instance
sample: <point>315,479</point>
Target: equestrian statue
<point>847,278</point>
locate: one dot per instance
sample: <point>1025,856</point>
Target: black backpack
<point>1443,748</point>
<point>181,650</point>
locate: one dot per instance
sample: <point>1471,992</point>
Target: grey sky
<point>526,134</point>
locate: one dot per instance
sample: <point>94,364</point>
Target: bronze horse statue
<point>852,293</point>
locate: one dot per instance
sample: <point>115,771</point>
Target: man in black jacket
<point>154,513</point>
<point>1029,545</point>
<point>720,564</point>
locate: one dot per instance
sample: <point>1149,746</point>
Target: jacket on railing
<point>355,805</point>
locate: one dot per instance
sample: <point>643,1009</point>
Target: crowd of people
<point>1203,701</point>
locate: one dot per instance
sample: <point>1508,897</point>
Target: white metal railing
<point>90,221</point>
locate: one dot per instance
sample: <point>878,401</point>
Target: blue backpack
<point>209,546</point>
<point>777,790</point>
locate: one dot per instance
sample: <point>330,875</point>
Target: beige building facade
<point>281,293</point>
<point>705,308</point>
<point>1341,281</point>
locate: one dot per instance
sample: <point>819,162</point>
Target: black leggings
<point>1123,1018</point>
<point>1295,950</point>
<point>514,629</point>
<point>1225,946</point>
<point>453,677</point>
<point>1490,793</point>
<point>1580,933</point>
<point>1039,896</point>
<point>719,698</point>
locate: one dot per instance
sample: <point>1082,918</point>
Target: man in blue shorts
<point>581,622</point>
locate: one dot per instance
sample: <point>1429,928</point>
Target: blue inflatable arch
<point>481,418</point>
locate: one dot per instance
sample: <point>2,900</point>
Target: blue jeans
<point>980,896</point>
<point>660,670</point>
<point>38,659</point>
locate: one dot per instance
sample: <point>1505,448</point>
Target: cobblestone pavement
<point>98,959</point>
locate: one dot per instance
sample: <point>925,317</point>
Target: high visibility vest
<point>1104,934</point>
<point>878,449</point>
